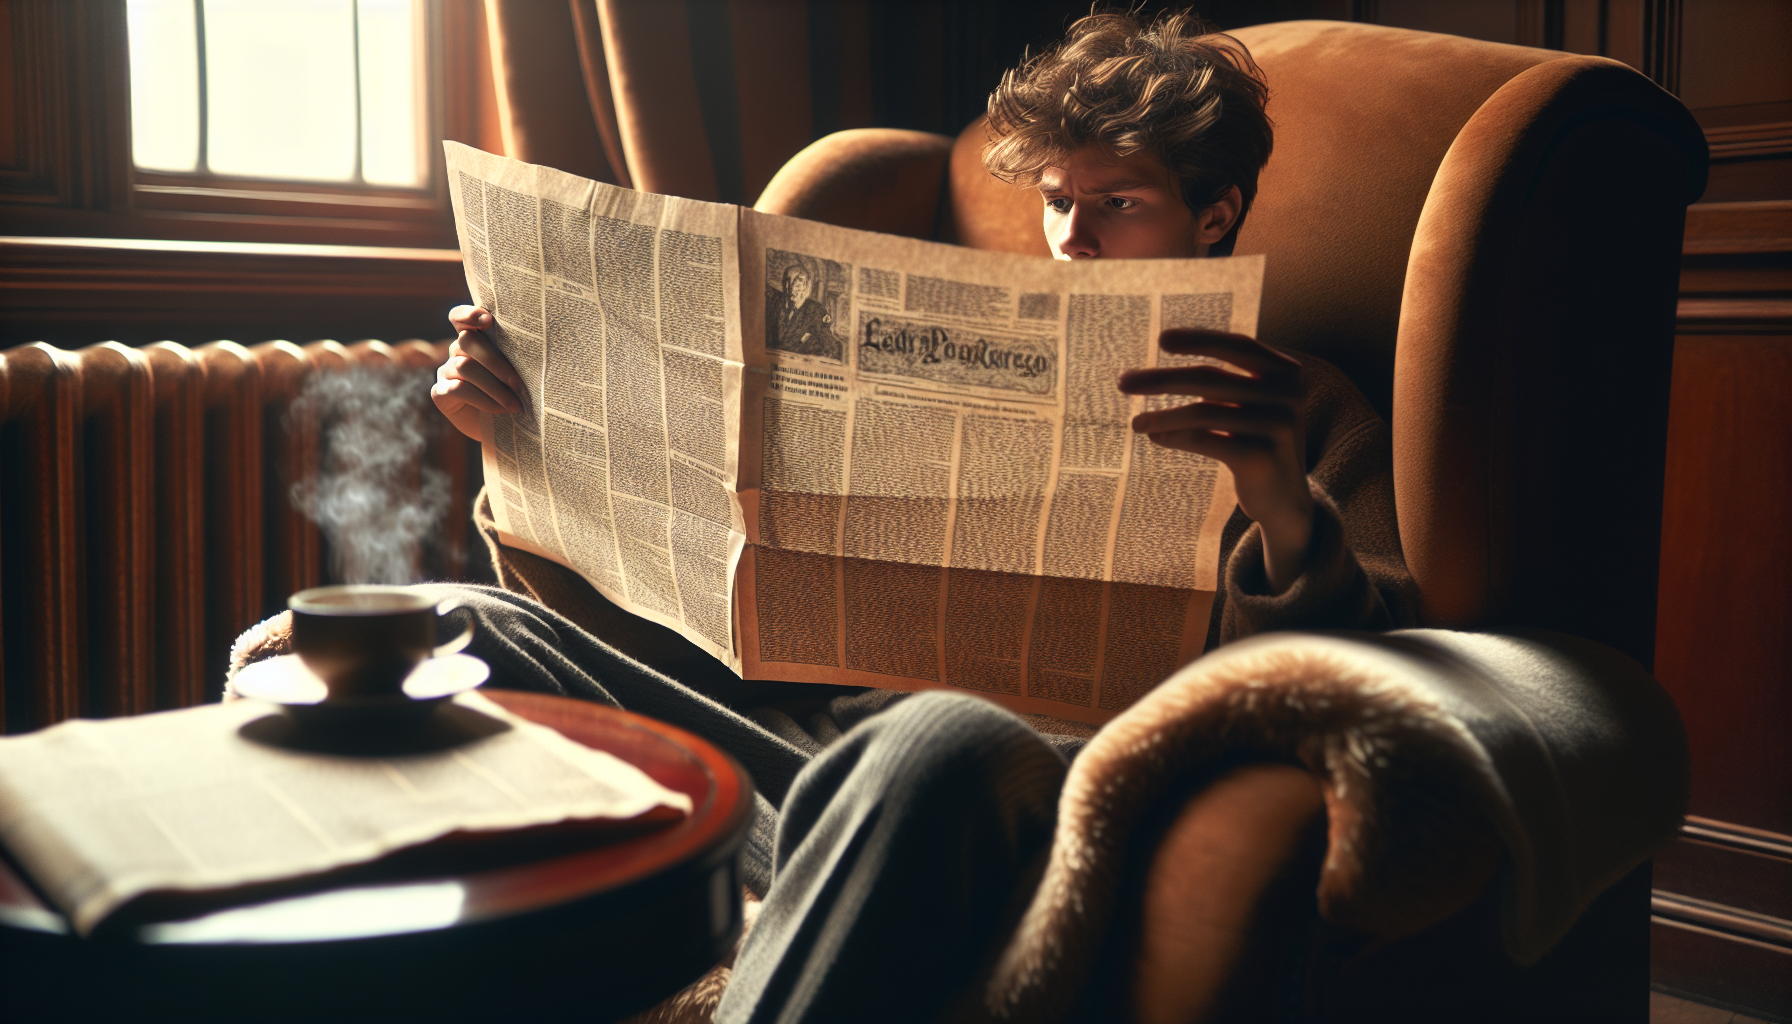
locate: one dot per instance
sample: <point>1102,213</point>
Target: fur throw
<point>269,638</point>
<point>1427,745</point>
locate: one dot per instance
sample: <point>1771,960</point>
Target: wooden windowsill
<point>72,291</point>
<point>26,243</point>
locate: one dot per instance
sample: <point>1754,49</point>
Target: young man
<point>905,849</point>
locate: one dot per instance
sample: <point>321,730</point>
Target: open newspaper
<point>827,455</point>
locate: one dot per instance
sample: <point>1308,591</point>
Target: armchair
<point>1486,238</point>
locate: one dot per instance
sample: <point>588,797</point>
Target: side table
<point>560,930</point>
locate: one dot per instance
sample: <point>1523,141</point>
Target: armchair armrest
<point>1443,760</point>
<point>873,179</point>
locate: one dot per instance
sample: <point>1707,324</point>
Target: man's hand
<point>1254,422</point>
<point>476,378</point>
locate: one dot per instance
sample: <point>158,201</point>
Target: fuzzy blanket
<point>1422,740</point>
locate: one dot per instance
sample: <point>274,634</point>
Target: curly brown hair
<point>1173,87</point>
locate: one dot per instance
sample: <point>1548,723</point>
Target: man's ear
<point>1215,221</point>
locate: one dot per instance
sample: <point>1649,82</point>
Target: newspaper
<point>101,812</point>
<point>827,455</point>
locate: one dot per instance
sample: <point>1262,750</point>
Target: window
<point>293,90</point>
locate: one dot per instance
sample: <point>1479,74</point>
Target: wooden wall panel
<point>1734,52</point>
<point>68,104</point>
<point>1711,965</point>
<point>1725,651</point>
<point>10,110</point>
<point>1723,903</point>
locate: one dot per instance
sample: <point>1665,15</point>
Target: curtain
<point>708,98</point>
<point>698,98</point>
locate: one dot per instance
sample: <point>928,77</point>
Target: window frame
<point>195,204</point>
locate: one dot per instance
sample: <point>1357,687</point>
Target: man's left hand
<point>1250,415</point>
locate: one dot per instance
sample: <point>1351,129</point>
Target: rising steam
<point>373,497</point>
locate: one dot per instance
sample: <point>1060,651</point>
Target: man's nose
<point>1079,240</point>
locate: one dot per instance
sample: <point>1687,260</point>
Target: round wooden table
<point>557,930</point>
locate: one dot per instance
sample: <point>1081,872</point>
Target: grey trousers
<point>895,841</point>
<point>904,854</point>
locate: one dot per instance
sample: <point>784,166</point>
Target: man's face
<point>797,288</point>
<point>1097,205</point>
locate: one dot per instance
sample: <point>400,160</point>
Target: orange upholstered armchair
<point>1486,238</point>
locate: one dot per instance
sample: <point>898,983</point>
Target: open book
<point>827,455</point>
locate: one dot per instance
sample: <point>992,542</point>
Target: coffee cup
<point>362,641</point>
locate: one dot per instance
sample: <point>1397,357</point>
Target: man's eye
<point>1122,203</point>
<point>1059,205</point>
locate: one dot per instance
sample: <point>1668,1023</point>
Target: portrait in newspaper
<point>805,298</point>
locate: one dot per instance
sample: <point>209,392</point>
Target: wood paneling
<point>1747,869</point>
<point>1722,927</point>
<point>1712,965</point>
<point>1723,647</point>
<point>1735,52</point>
<point>1723,910</point>
<point>1724,650</point>
<point>68,101</point>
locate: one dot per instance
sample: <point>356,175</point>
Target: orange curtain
<point>538,73</point>
<point>697,98</point>
<point>708,98</point>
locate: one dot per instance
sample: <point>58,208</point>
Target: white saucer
<point>287,682</point>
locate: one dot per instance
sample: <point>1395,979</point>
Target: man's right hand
<point>476,378</point>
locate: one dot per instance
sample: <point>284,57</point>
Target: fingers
<point>1246,353</point>
<point>1210,383</point>
<point>464,365</point>
<point>469,318</point>
<point>454,394</point>
<point>1232,450</point>
<point>476,346</point>
<point>1258,418</point>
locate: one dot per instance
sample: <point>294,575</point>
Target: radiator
<point>145,518</point>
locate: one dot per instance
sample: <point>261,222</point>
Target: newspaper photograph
<point>827,455</point>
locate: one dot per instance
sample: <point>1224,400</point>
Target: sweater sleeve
<point>1355,576</point>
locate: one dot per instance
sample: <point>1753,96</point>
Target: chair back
<point>1486,239</point>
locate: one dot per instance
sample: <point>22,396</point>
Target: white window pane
<point>390,111</point>
<point>280,88</point>
<point>164,84</point>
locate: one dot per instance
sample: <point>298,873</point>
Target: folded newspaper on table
<point>827,455</point>
<point>100,813</point>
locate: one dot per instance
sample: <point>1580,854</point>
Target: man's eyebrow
<point>1122,185</point>
<point>1116,185</point>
